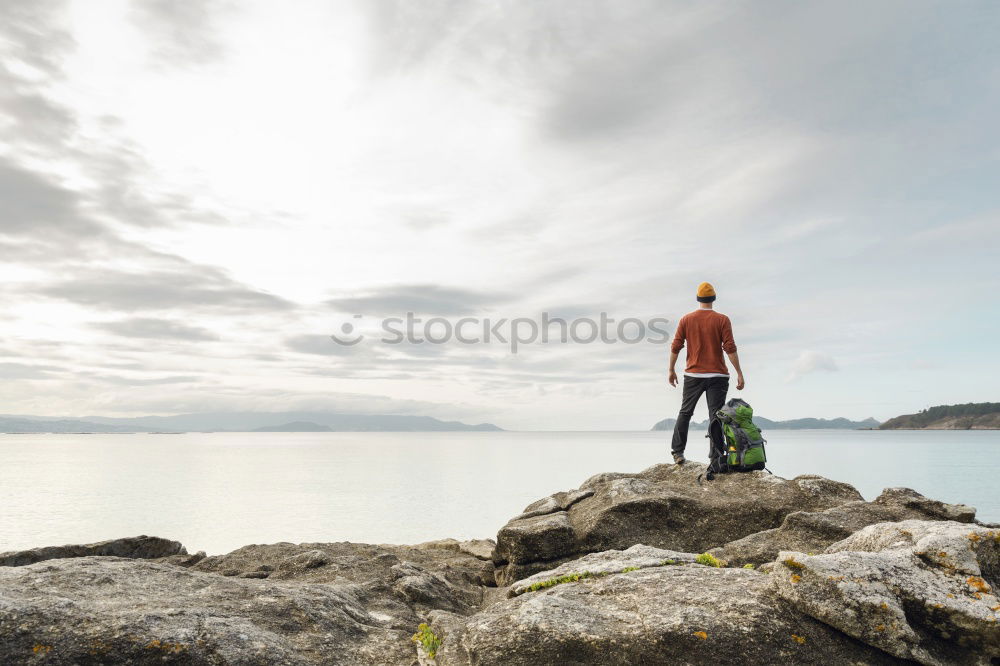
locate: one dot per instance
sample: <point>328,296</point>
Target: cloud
<point>45,222</point>
<point>29,115</point>
<point>405,34</point>
<point>36,117</point>
<point>121,380</point>
<point>129,191</point>
<point>34,206</point>
<point>809,362</point>
<point>10,371</point>
<point>426,299</point>
<point>198,288</point>
<point>424,219</point>
<point>182,33</point>
<point>454,158</point>
<point>163,329</point>
<point>243,398</point>
<point>321,345</point>
<point>33,44</point>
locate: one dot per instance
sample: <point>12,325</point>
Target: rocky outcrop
<point>107,610</point>
<point>919,590</point>
<point>311,603</point>
<point>664,506</point>
<point>892,592</point>
<point>140,547</point>
<point>609,573</point>
<point>812,531</point>
<point>649,615</point>
<point>397,581</point>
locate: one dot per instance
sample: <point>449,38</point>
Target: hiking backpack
<point>735,443</point>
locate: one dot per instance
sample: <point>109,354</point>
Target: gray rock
<point>182,559</point>
<point>535,540</point>
<point>655,615</point>
<point>605,563</point>
<point>281,603</point>
<point>109,610</point>
<point>918,590</point>
<point>427,590</point>
<point>400,584</point>
<point>359,563</point>
<point>255,574</point>
<point>479,548</point>
<point>664,506</point>
<point>932,509</point>
<point>310,559</point>
<point>144,547</point>
<point>557,502</point>
<point>812,531</point>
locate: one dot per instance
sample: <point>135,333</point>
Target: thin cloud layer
<point>164,329</point>
<point>196,289</point>
<point>422,298</point>
<point>184,34</point>
<point>812,361</point>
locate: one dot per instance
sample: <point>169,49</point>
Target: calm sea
<point>218,491</point>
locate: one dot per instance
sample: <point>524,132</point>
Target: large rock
<point>812,531</point>
<point>397,581</point>
<point>481,549</point>
<point>604,563</point>
<point>655,614</point>
<point>664,506</point>
<point>310,603</point>
<point>106,610</point>
<point>918,590</point>
<point>144,547</point>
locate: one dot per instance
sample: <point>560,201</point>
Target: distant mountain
<point>668,424</point>
<point>22,425</point>
<point>295,426</point>
<point>792,424</point>
<point>240,422</point>
<point>970,416</point>
<point>839,423</point>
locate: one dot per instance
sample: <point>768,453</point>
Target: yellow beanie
<point>706,293</point>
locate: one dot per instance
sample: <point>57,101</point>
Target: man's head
<point>706,293</point>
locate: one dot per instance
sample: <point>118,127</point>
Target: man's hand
<point>734,358</point>
<point>672,378</point>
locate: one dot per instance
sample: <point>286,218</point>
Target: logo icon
<point>350,338</point>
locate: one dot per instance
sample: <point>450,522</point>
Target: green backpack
<point>742,440</point>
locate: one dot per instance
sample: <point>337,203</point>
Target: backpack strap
<point>716,450</point>
<point>743,441</point>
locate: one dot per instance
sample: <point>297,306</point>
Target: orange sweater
<point>708,333</point>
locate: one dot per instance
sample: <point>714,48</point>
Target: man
<point>708,333</point>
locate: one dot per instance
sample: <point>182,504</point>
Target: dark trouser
<point>715,389</point>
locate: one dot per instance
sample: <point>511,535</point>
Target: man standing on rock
<point>708,333</point>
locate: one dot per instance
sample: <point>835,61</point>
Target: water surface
<point>218,491</point>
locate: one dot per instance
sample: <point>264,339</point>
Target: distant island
<point>238,422</point>
<point>792,424</point>
<point>970,416</point>
<point>31,424</point>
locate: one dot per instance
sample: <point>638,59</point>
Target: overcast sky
<point>195,195</point>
